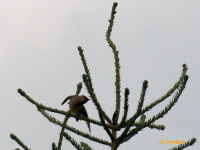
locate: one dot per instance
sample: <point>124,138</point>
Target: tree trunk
<point>113,144</point>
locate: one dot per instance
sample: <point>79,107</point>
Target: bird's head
<point>85,98</point>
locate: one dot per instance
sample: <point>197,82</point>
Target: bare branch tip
<point>79,85</point>
<point>80,48</point>
<point>127,92</point>
<point>145,82</point>
<point>115,4</point>
<point>12,136</point>
<point>184,67</point>
<point>20,91</point>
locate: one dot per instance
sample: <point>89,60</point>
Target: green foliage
<point>183,146</point>
<point>129,127</point>
<point>15,138</point>
<point>142,118</point>
<point>86,146</point>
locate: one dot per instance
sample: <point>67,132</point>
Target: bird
<point>76,106</point>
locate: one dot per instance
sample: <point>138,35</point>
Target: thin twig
<point>126,94</point>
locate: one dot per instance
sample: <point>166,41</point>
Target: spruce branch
<point>134,131</point>
<point>90,86</point>
<point>76,131</point>
<point>100,111</point>
<point>176,85</point>
<point>137,114</point>
<point>53,146</point>
<point>23,93</point>
<point>117,65</point>
<point>172,102</point>
<point>126,94</point>
<point>142,118</point>
<point>72,141</point>
<point>86,146</point>
<point>16,139</point>
<point>78,90</point>
<point>165,96</point>
<point>62,132</point>
<point>79,87</point>
<point>111,22</point>
<point>88,83</point>
<point>127,127</point>
<point>90,120</point>
<point>142,95</point>
<point>183,146</point>
<point>151,126</point>
<point>62,112</point>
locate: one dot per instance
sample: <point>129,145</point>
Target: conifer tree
<point>129,127</point>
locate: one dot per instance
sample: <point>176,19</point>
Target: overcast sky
<point>38,53</point>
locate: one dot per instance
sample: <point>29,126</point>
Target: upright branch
<point>126,94</point>
<point>62,132</point>
<point>78,90</point>
<point>100,111</point>
<point>88,82</point>
<point>109,30</point>
<point>136,115</point>
<point>117,65</point>
<point>142,96</point>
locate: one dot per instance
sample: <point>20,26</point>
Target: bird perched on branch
<point>76,105</point>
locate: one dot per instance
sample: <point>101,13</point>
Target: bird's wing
<point>66,99</point>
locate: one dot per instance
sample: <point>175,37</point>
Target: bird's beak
<point>86,98</point>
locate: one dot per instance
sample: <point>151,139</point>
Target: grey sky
<point>38,53</point>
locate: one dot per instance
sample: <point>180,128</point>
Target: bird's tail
<point>83,113</point>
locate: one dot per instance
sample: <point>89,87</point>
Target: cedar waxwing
<point>76,106</point>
